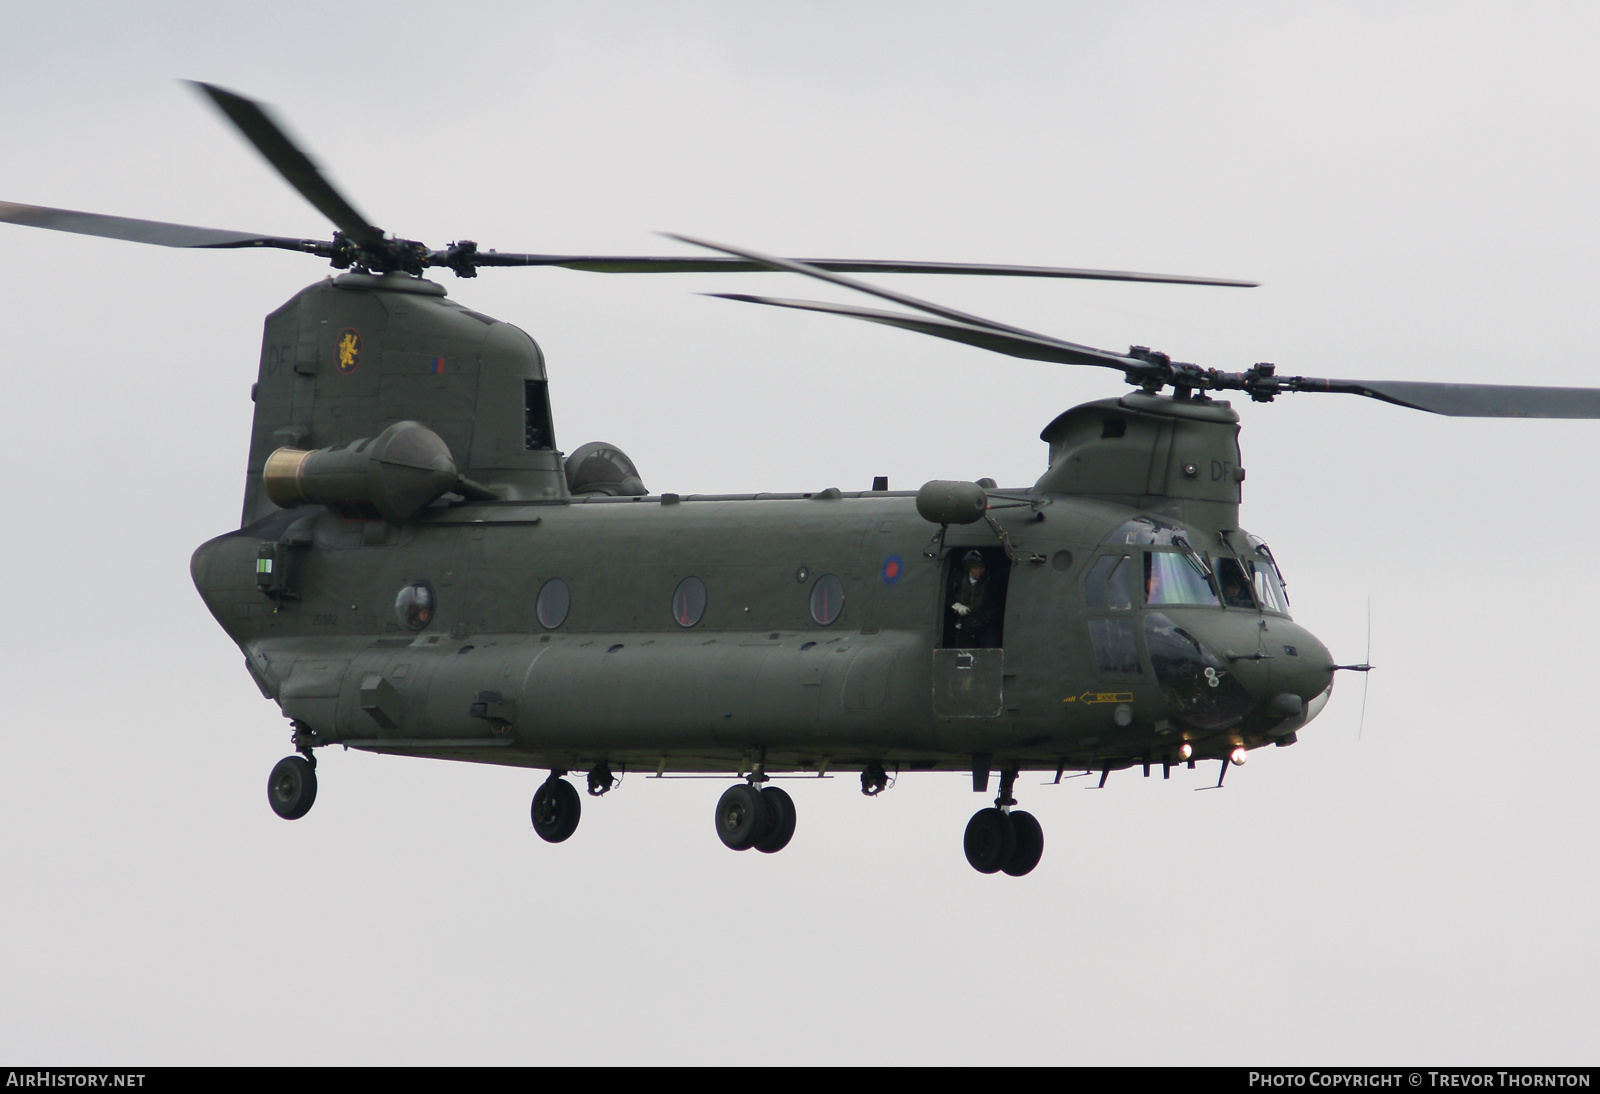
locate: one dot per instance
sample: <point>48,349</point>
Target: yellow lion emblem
<point>349,349</point>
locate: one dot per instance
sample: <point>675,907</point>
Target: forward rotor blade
<point>252,120</point>
<point>791,266</point>
<point>157,232</point>
<point>1471,400</point>
<point>1032,347</point>
<point>731,264</point>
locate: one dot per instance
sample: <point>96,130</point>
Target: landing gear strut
<point>1001,838</point>
<point>292,786</point>
<point>748,816</point>
<point>556,808</point>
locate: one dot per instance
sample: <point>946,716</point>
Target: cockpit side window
<point>1269,590</point>
<point>1234,583</point>
<point>1172,577</point>
<point>1119,586</point>
<point>1109,583</point>
<point>1266,576</point>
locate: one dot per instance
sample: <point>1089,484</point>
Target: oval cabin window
<point>554,601</point>
<point>689,602</point>
<point>827,599</point>
<point>414,606</point>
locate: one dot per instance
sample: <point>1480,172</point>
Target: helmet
<point>972,558</point>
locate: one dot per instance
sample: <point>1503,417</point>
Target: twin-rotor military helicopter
<point>420,571</point>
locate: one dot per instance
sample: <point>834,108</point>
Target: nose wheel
<point>1002,839</point>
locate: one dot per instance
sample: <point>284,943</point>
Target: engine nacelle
<point>393,476</point>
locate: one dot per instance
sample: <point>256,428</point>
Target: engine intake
<point>600,468</point>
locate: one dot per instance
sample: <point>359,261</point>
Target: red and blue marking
<point>893,567</point>
<point>436,366</point>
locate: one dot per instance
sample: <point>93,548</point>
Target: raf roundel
<point>893,567</point>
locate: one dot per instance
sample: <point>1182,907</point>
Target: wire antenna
<point>1366,681</point>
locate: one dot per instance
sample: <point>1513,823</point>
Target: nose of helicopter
<point>1220,666</point>
<point>1298,665</point>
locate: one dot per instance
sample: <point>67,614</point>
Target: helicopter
<point>420,570</point>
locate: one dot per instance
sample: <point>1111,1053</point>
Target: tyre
<point>990,840</point>
<point>556,809</point>
<point>1030,844</point>
<point>781,807</point>
<point>292,787</point>
<point>742,817</point>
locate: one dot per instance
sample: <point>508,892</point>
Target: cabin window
<point>414,606</point>
<point>827,599</point>
<point>553,603</point>
<point>689,602</point>
<point>1172,577</point>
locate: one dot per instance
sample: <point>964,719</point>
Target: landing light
<point>1237,756</point>
<point>1185,750</point>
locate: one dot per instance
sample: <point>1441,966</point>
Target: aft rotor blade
<point>791,266</point>
<point>731,264</point>
<point>1469,400</point>
<point>1032,347</point>
<point>252,120</point>
<point>157,232</point>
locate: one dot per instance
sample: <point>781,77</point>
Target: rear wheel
<point>556,809</point>
<point>781,807</point>
<point>990,840</point>
<point>1030,844</point>
<point>742,817</point>
<point>292,787</point>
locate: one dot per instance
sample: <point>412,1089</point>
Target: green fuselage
<point>620,680</point>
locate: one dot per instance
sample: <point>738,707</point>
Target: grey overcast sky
<point>1415,185</point>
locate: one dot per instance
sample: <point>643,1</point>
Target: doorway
<point>974,604</point>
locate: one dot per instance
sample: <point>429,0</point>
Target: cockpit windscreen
<point>1172,577</point>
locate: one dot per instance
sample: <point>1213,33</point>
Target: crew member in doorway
<point>975,606</point>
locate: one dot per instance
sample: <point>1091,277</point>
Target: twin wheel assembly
<point>752,816</point>
<point>998,839</point>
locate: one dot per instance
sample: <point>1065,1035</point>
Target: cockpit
<point>1170,570</point>
<point>1167,601</point>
